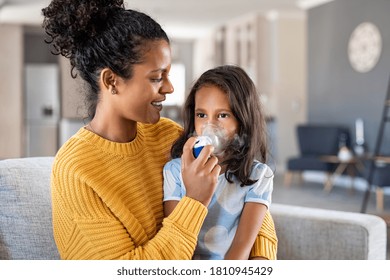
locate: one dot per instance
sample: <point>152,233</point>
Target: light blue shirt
<point>224,210</point>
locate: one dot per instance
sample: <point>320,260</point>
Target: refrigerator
<point>42,109</point>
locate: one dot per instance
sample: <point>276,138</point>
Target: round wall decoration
<point>364,47</point>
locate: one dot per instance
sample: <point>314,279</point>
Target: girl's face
<point>212,106</point>
<point>144,92</point>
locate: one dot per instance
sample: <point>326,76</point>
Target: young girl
<point>226,99</point>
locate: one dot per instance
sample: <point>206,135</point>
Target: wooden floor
<point>341,198</point>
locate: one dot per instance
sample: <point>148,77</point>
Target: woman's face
<point>141,96</point>
<point>212,106</point>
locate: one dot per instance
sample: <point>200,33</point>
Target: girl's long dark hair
<point>246,106</point>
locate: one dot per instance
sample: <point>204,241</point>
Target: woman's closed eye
<point>156,80</point>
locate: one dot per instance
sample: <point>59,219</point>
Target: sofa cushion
<point>25,209</point>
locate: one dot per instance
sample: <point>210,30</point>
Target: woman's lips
<point>158,105</point>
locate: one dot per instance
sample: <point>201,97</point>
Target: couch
<point>303,233</point>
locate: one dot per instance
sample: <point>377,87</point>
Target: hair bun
<point>70,23</point>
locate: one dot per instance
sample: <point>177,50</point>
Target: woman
<point>107,178</point>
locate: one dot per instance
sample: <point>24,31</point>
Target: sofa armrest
<point>25,209</point>
<point>314,234</point>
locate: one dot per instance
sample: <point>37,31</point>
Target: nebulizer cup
<point>211,135</point>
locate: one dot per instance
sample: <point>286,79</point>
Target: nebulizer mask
<point>211,135</point>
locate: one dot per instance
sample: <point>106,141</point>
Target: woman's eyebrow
<point>159,70</point>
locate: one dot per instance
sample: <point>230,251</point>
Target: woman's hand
<point>199,174</point>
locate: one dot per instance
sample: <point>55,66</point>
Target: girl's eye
<point>200,115</point>
<point>223,115</point>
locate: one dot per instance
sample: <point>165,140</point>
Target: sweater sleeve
<point>107,200</point>
<point>104,236</point>
<point>178,236</point>
<point>266,243</point>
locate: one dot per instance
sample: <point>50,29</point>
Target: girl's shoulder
<point>173,164</point>
<point>260,170</point>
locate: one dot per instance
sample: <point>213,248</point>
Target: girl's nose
<point>212,122</point>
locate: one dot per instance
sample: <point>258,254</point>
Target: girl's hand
<point>200,175</point>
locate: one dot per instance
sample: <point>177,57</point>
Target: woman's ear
<point>108,80</point>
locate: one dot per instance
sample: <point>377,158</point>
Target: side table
<point>351,165</point>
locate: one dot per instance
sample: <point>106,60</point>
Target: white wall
<point>72,93</point>
<point>289,93</point>
<point>11,91</point>
<point>203,55</point>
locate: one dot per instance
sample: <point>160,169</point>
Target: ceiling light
<point>308,4</point>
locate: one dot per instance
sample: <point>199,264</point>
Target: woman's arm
<point>266,243</point>
<point>248,228</point>
<point>169,206</point>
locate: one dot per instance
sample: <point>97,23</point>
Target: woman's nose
<point>166,87</point>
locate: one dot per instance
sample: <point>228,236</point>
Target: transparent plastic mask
<point>211,135</point>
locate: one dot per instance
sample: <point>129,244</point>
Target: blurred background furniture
<point>351,166</point>
<point>380,179</point>
<point>314,142</point>
<point>303,233</point>
<point>379,165</point>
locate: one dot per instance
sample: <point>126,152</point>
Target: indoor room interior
<point>322,69</point>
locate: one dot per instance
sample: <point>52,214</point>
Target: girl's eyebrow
<point>218,109</point>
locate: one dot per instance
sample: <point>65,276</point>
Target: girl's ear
<point>108,80</point>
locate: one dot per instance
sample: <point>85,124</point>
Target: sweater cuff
<point>264,247</point>
<point>266,243</point>
<point>190,214</point>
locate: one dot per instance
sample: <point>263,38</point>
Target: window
<point>177,77</point>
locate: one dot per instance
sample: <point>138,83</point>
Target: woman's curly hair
<point>97,34</point>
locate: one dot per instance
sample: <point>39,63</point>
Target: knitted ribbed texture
<point>107,200</point>
<point>266,243</point>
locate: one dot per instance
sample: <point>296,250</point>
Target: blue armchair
<point>316,141</point>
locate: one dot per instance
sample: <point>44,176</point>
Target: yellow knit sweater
<point>107,200</point>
